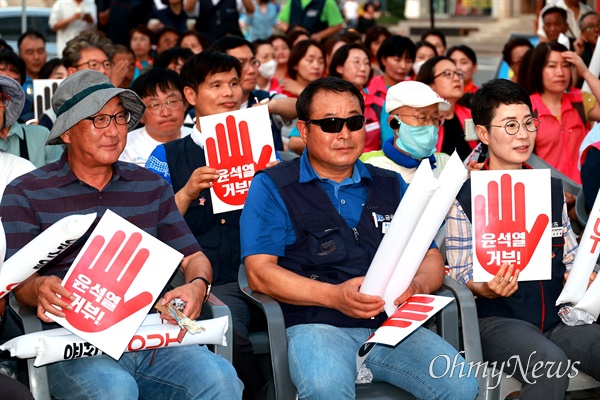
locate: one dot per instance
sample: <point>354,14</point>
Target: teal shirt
<point>39,153</point>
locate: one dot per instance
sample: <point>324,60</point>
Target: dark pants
<point>13,389</point>
<point>244,316</point>
<point>545,358</point>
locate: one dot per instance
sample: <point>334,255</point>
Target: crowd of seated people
<point>419,101</point>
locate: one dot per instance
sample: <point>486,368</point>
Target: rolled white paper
<point>585,259</point>
<point>590,301</point>
<point>41,250</point>
<point>26,346</point>
<point>2,244</point>
<point>594,68</point>
<point>401,228</point>
<point>451,180</point>
<point>69,347</point>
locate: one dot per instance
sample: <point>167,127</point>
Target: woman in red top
<point>306,64</point>
<point>564,115</point>
<point>466,60</point>
<point>351,62</point>
<point>443,76</point>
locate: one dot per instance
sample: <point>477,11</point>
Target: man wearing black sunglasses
<point>308,236</point>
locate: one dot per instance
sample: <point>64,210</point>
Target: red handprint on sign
<point>504,238</point>
<point>237,169</point>
<point>99,288</point>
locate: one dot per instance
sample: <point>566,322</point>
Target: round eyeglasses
<point>424,119</point>
<point>449,74</point>
<point>173,105</point>
<point>102,121</point>
<point>512,126</point>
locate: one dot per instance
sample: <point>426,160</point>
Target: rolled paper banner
<point>26,346</point>
<point>400,230</point>
<point>2,244</point>
<point>594,68</point>
<point>69,347</point>
<point>451,180</point>
<point>590,301</point>
<point>585,259</point>
<point>41,250</point>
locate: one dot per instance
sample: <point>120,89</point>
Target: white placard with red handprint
<point>115,279</point>
<point>238,144</point>
<point>511,223</point>
<point>43,90</point>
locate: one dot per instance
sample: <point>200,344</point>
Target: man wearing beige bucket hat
<point>93,118</point>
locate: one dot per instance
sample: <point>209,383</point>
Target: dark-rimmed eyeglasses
<point>4,100</point>
<point>424,119</point>
<point>449,74</point>
<point>173,105</point>
<point>95,65</point>
<point>102,121</point>
<point>512,126</point>
<point>335,125</point>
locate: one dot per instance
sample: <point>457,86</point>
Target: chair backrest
<point>569,184</point>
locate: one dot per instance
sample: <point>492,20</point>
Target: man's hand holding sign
<point>230,151</point>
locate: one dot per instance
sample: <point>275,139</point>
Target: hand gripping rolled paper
<point>585,259</point>
<point>403,224</point>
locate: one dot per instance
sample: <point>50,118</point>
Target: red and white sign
<point>511,214</point>
<point>238,144</point>
<point>116,278</point>
<point>404,321</point>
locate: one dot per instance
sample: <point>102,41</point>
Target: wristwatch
<point>208,286</point>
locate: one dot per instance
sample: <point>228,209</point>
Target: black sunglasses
<point>335,125</point>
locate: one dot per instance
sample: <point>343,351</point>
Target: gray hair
<point>86,40</point>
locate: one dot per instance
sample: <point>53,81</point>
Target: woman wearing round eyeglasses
<point>351,62</point>
<point>565,115</point>
<point>443,76</point>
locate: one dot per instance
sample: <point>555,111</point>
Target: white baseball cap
<point>413,94</point>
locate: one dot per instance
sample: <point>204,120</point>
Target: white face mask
<point>267,69</point>
<point>417,66</point>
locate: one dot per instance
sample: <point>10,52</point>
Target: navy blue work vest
<point>534,301</point>
<point>219,235</point>
<point>217,21</point>
<point>326,249</point>
<point>310,17</point>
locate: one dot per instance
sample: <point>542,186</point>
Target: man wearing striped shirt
<point>93,118</point>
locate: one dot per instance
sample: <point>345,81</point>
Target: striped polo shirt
<point>34,201</point>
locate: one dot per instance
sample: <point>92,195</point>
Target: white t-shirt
<point>12,167</point>
<point>66,8</point>
<point>351,9</point>
<point>140,145</point>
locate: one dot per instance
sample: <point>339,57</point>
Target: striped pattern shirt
<point>34,201</point>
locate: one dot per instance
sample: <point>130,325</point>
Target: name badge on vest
<point>557,230</point>
<point>385,220</point>
<point>385,226</point>
<point>311,13</point>
<point>372,126</point>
